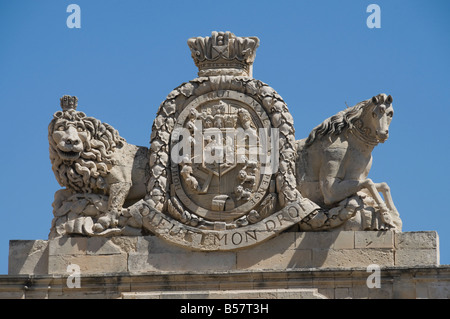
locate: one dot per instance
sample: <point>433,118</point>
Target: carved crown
<point>69,102</point>
<point>224,54</point>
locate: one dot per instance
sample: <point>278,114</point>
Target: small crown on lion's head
<point>69,102</point>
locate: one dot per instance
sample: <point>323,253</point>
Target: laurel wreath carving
<point>158,191</point>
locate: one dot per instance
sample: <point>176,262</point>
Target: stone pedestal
<point>290,250</point>
<point>292,265</point>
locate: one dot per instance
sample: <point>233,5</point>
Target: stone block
<point>439,290</point>
<point>28,257</point>
<point>278,253</point>
<point>187,261</point>
<point>92,255</point>
<point>102,246</point>
<point>68,246</point>
<point>416,257</point>
<point>360,291</point>
<point>325,240</point>
<point>89,264</point>
<point>327,292</point>
<point>281,243</point>
<point>384,292</point>
<point>343,240</point>
<point>417,240</point>
<point>342,293</point>
<point>422,290</point>
<point>374,239</point>
<point>153,254</point>
<point>417,248</point>
<point>330,258</point>
<point>126,243</point>
<point>404,289</point>
<point>154,245</point>
<point>313,240</point>
<point>12,295</point>
<point>266,259</point>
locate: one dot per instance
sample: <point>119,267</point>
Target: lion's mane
<point>87,173</point>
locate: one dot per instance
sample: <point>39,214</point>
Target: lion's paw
<point>104,223</point>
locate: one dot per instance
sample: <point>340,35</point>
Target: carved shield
<point>220,176</point>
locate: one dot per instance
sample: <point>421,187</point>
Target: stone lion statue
<point>90,157</point>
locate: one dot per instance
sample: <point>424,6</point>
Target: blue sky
<point>319,55</point>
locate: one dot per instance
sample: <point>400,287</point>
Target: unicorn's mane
<point>337,123</point>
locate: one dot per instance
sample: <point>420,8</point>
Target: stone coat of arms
<point>223,170</point>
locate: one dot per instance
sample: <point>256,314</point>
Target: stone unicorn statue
<point>333,164</point>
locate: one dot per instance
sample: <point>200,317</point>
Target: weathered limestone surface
<point>290,250</point>
<point>299,265</point>
<point>334,283</point>
<point>28,256</point>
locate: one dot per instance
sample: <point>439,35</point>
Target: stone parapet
<point>290,250</point>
